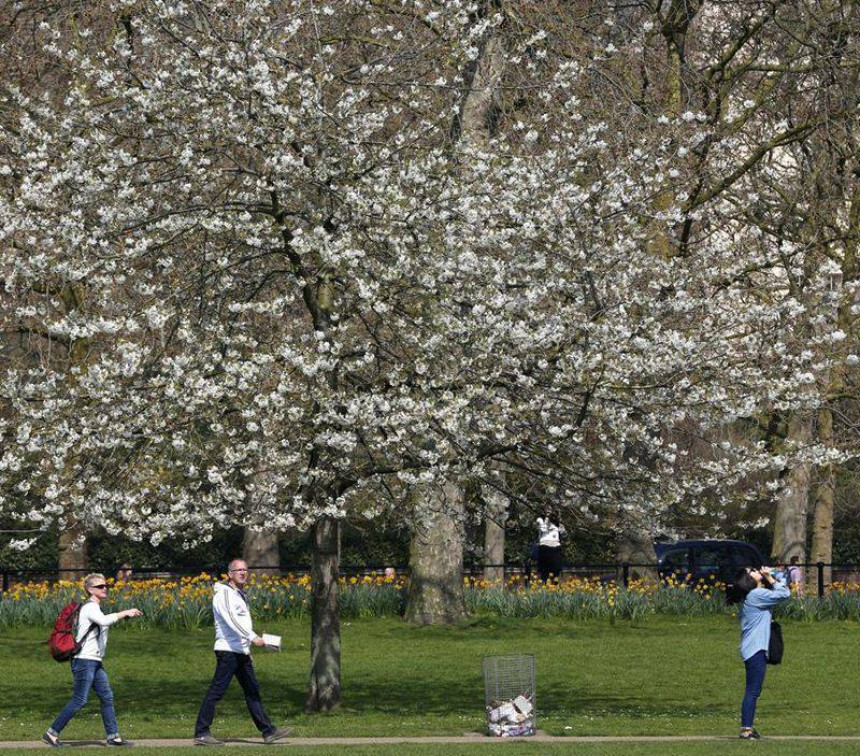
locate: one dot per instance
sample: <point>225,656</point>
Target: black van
<point>711,561</point>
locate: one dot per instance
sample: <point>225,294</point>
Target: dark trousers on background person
<point>550,562</point>
<point>756,667</point>
<point>227,665</point>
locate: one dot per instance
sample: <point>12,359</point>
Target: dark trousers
<point>550,562</point>
<point>756,667</point>
<point>228,664</point>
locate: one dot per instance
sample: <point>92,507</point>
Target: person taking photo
<point>761,592</point>
<point>550,561</point>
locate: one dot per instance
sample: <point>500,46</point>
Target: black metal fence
<point>623,572</point>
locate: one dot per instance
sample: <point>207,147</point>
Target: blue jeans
<point>88,674</point>
<point>227,664</point>
<point>756,666</point>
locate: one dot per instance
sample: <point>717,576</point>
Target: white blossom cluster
<point>260,283</point>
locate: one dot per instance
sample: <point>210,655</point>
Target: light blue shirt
<point>756,617</point>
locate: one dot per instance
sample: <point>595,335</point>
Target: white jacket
<point>548,533</point>
<point>233,627</point>
<point>96,643</point>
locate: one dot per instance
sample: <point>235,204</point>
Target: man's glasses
<point>241,569</point>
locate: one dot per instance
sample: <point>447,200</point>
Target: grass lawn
<point>665,676</point>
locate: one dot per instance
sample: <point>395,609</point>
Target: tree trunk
<point>482,82</point>
<point>822,525</point>
<point>789,531</point>
<point>72,561</point>
<point>436,558</point>
<point>324,692</point>
<point>494,537</point>
<point>260,549</point>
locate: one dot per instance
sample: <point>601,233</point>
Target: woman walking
<point>550,562</point>
<point>87,668</point>
<point>762,592</point>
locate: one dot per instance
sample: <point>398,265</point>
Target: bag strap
<point>89,629</point>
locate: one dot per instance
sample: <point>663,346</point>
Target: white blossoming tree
<point>296,290</point>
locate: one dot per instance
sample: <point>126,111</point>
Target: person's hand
<point>132,613</point>
<point>258,641</point>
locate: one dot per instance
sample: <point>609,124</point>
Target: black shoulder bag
<point>776,645</point>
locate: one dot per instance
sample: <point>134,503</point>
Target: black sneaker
<point>51,740</point>
<point>750,735</point>
<point>119,742</point>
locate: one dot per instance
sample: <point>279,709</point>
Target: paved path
<point>472,739</point>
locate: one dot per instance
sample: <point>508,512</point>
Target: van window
<point>743,556</point>
<point>676,560</point>
<point>712,560</point>
<point>724,560</point>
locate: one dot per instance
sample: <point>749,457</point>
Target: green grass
<point>665,676</point>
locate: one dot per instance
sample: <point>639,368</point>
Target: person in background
<point>88,664</point>
<point>761,593</point>
<point>234,636</point>
<point>794,576</point>
<point>549,558</point>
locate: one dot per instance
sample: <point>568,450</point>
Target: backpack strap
<point>89,629</point>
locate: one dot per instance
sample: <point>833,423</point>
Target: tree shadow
<point>82,743</point>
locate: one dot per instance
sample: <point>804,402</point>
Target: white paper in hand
<point>272,642</point>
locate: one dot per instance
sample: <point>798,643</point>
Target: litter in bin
<point>510,718</point>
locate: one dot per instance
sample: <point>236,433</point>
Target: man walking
<point>234,636</point>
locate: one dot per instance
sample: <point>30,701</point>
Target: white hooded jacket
<point>233,627</point>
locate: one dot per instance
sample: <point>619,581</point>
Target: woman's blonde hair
<point>92,579</point>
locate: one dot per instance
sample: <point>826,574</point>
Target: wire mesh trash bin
<point>510,692</point>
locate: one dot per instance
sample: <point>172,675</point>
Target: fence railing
<point>623,572</point>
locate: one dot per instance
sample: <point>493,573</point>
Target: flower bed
<point>186,603</point>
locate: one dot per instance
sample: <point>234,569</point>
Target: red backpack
<point>62,643</point>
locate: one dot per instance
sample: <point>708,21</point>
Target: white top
<point>549,533</point>
<point>96,642</point>
<point>233,627</point>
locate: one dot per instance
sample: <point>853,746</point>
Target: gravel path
<point>473,738</point>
